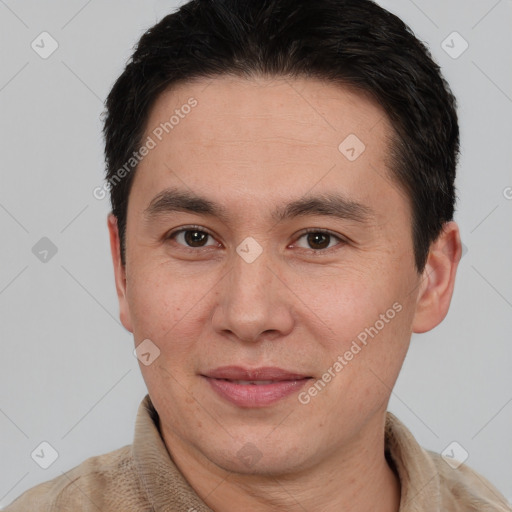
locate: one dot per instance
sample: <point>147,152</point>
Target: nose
<point>253,303</point>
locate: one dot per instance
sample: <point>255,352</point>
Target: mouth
<point>256,387</point>
<point>252,382</point>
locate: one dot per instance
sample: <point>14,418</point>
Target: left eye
<point>320,240</point>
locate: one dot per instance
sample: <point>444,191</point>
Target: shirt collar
<point>165,487</point>
<point>419,477</point>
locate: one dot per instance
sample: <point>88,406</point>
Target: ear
<point>119,272</point>
<point>438,279</point>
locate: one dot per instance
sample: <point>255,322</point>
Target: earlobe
<point>119,272</point>
<point>438,279</point>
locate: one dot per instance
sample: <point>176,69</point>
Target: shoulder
<point>465,490</point>
<point>104,482</point>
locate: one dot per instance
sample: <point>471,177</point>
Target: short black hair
<point>355,43</point>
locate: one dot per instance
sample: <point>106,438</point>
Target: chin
<point>266,461</point>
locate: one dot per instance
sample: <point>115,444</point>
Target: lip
<point>284,383</point>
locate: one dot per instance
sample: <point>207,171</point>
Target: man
<point>282,183</point>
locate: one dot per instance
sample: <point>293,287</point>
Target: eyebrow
<point>327,204</point>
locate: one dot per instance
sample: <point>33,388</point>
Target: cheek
<point>157,302</point>
<point>366,319</point>
<point>365,360</point>
<point>347,303</point>
<point>171,309</point>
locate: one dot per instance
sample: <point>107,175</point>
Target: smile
<point>252,388</point>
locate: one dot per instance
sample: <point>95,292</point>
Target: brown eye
<point>319,240</point>
<point>195,238</point>
<point>192,238</point>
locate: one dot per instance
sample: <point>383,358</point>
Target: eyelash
<point>341,241</point>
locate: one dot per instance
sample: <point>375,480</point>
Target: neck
<point>355,479</point>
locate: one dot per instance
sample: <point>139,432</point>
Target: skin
<point>251,145</point>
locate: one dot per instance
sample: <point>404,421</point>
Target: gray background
<point>68,375</point>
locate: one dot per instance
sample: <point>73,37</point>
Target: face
<point>266,242</point>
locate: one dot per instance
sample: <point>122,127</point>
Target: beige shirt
<point>142,477</point>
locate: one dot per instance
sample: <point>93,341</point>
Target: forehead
<point>229,107</point>
<point>259,136</point>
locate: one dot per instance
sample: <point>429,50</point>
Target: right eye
<point>192,237</point>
